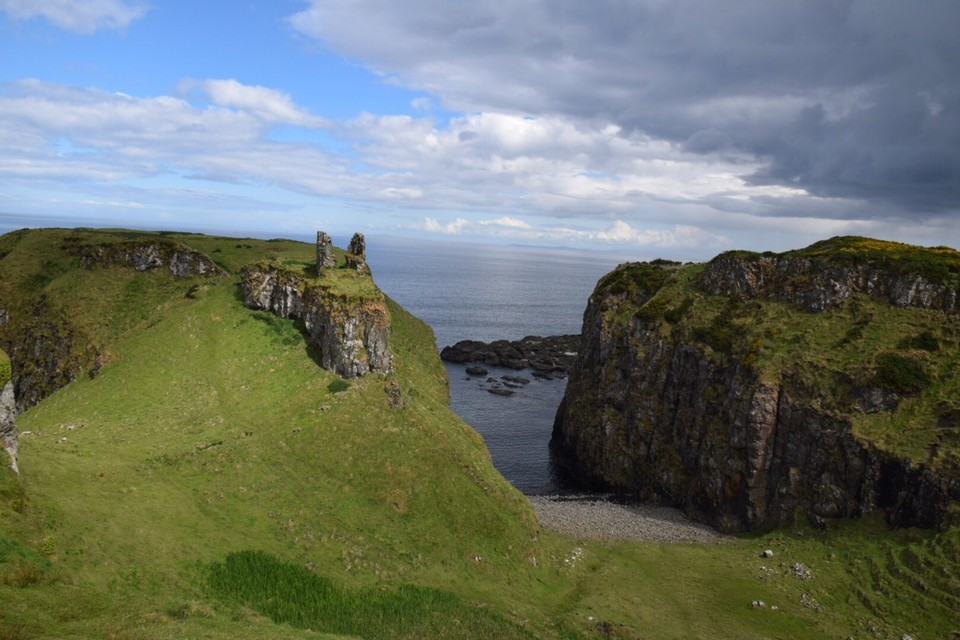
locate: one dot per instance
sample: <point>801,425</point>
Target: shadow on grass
<point>286,331</point>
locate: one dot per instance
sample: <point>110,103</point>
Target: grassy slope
<point>212,431</point>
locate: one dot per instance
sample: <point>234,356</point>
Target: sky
<point>661,128</point>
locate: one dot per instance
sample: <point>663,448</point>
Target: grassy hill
<point>212,481</point>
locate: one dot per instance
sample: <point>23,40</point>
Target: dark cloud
<point>856,99</point>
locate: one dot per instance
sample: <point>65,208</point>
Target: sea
<point>492,292</point>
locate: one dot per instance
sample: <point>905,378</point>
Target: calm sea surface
<point>470,292</point>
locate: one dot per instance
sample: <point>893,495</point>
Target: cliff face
<point>9,436</point>
<point>46,352</point>
<point>352,336</point>
<point>671,403</point>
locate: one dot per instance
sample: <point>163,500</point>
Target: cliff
<point>46,349</point>
<point>351,333</point>
<point>764,389</point>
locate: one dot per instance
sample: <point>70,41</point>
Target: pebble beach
<point>587,517</point>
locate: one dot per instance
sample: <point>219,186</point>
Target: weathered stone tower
<point>357,254</point>
<point>325,257</point>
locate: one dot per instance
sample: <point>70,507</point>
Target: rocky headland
<point>760,390</point>
<point>344,315</point>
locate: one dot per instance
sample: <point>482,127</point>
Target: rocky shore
<point>549,357</point>
<point>587,517</point>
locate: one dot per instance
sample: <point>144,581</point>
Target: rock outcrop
<point>325,257</point>
<point>148,255</point>
<point>357,255</point>
<point>9,436</point>
<point>549,356</point>
<point>352,336</point>
<point>659,408</point>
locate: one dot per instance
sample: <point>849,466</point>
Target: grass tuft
<point>338,385</point>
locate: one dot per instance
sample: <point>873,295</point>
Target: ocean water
<point>472,292</point>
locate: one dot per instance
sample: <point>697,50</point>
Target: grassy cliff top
<point>940,265</point>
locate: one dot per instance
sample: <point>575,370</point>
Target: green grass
<point>290,594</point>
<point>5,370</point>
<point>940,265</point>
<point>210,431</point>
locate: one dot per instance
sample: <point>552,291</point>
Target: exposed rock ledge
<point>549,356</point>
<point>148,255</point>
<point>352,337</point>
<point>817,285</point>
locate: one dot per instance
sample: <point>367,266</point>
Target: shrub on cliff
<point>901,373</point>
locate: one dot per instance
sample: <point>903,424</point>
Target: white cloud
<point>619,233</point>
<point>120,136</point>
<point>401,193</point>
<point>680,236</point>
<point>81,16</point>
<point>507,221</point>
<point>451,228</point>
<point>550,166</point>
<point>268,104</point>
<point>422,104</point>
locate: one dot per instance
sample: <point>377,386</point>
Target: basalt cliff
<point>343,313</point>
<point>762,390</point>
<point>351,336</point>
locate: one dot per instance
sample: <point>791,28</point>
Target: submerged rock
<point>551,356</point>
